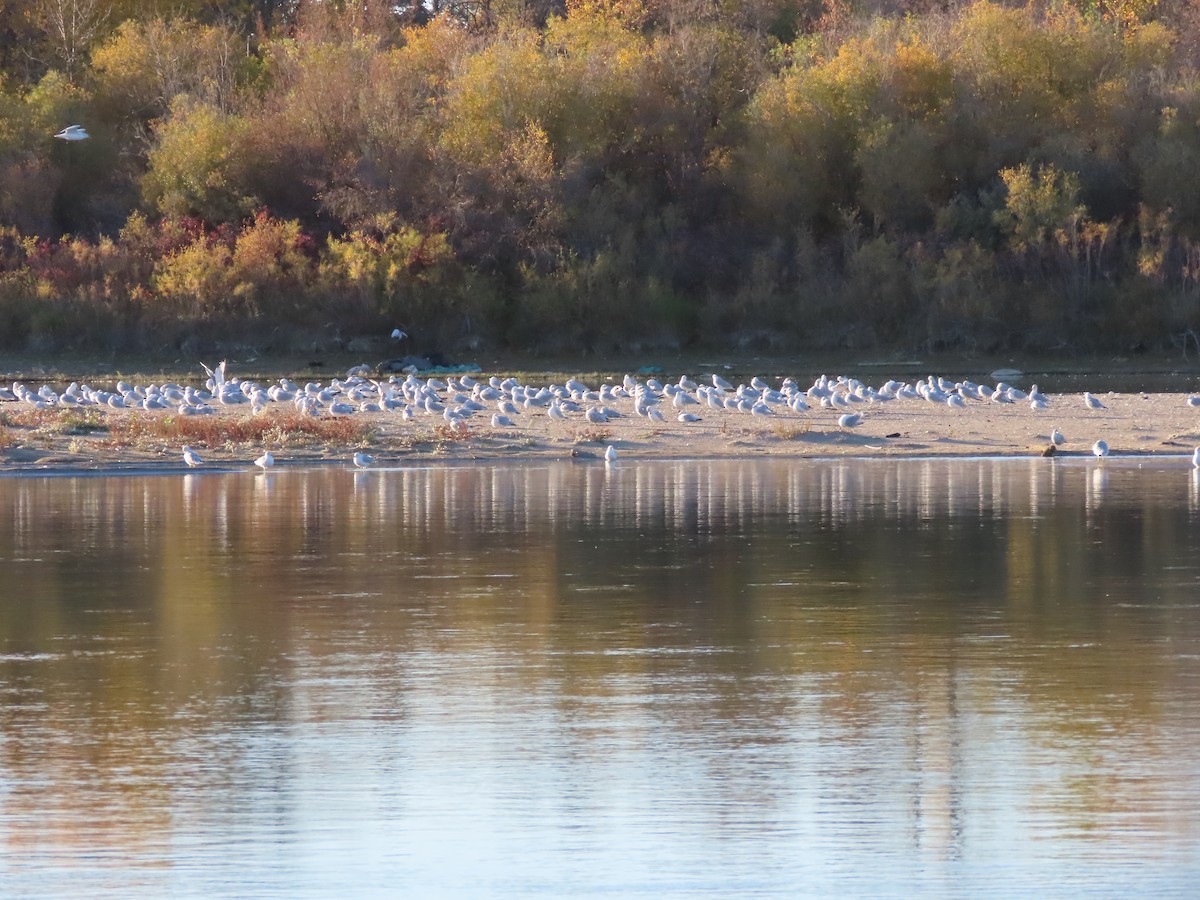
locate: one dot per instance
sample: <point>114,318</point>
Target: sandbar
<point>1133,424</point>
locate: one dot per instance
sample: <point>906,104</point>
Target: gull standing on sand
<point>265,461</point>
<point>1100,448</point>
<point>849,420</point>
<point>363,460</point>
<point>192,458</point>
<point>1056,437</point>
<point>1092,402</point>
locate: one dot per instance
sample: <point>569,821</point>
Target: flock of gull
<point>456,400</point>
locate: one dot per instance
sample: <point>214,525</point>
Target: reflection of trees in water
<point>838,620</point>
<point>1022,532</point>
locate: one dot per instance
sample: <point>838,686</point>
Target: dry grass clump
<point>792,429</point>
<point>592,435</point>
<point>6,438</point>
<point>57,421</point>
<point>452,434</point>
<point>216,431</point>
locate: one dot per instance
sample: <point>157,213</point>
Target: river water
<point>738,679</point>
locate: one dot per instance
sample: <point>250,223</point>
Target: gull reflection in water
<point>1097,486</point>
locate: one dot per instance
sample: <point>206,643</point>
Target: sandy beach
<point>100,438</point>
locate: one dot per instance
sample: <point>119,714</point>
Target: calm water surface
<point>850,678</point>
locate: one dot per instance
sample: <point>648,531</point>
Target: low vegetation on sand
<point>278,429</point>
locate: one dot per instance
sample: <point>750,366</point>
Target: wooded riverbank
<point>607,177</point>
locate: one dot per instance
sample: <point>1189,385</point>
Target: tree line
<point>604,174</point>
